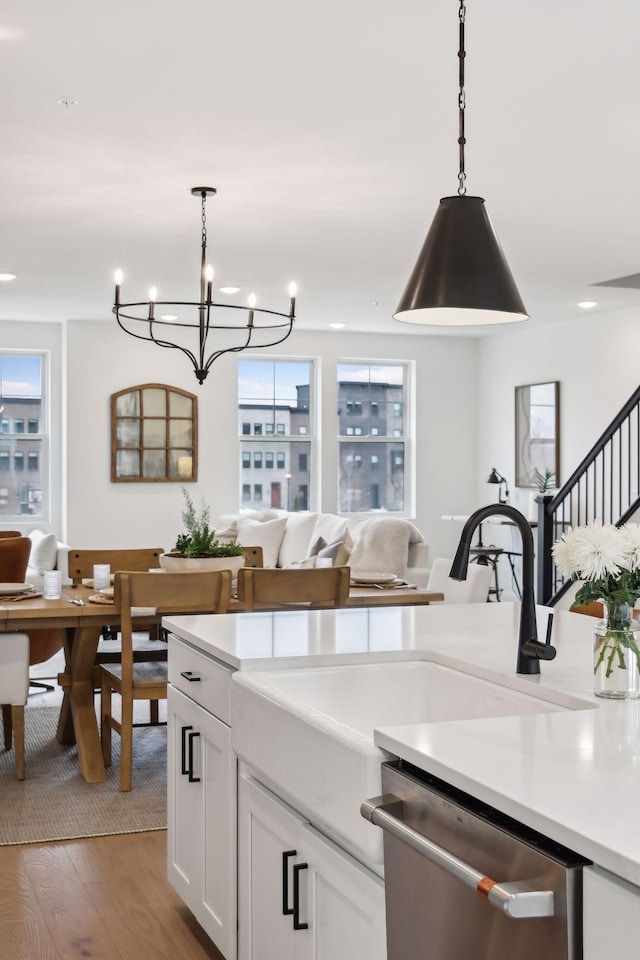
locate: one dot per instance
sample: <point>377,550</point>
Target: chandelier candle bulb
<point>208,275</point>
<point>118,279</point>
<point>252,300</point>
<point>293,289</point>
<point>153,294</point>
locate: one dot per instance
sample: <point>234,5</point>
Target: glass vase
<point>616,656</point>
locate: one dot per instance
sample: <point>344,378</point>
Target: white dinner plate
<point>107,591</point>
<point>7,588</point>
<point>373,576</point>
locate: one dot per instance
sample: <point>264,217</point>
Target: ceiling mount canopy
<point>461,277</point>
<point>237,326</point>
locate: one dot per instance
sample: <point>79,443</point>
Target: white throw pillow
<point>297,538</point>
<point>267,534</point>
<point>44,551</point>
<point>329,527</point>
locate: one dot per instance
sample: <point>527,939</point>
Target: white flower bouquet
<point>607,559</point>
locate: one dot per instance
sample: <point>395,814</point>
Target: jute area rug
<point>54,802</point>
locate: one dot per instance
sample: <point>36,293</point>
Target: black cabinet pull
<point>192,737</point>
<point>183,751</point>
<point>190,676</point>
<point>297,867</point>
<point>286,909</point>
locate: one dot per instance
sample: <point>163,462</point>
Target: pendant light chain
<point>462,189</point>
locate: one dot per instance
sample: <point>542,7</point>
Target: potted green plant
<point>544,482</point>
<point>198,548</point>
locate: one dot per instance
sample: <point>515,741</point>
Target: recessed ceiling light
<point>337,326</point>
<point>5,277</point>
<point>168,317</point>
<point>230,289</point>
<point>587,304</point>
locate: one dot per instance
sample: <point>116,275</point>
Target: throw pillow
<point>329,527</point>
<point>336,552</point>
<point>44,551</point>
<point>267,534</point>
<point>297,537</point>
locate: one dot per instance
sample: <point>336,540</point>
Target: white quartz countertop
<point>572,775</point>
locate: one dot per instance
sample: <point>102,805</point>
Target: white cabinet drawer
<point>201,678</point>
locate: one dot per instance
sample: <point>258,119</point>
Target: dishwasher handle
<point>515,899</point>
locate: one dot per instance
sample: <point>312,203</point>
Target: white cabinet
<point>611,912</point>
<point>201,815</point>
<point>300,896</point>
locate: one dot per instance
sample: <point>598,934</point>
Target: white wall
<point>103,360</point>
<point>596,359</point>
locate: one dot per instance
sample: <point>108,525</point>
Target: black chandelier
<point>461,276</point>
<point>258,327</point>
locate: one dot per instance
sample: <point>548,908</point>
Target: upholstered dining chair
<point>475,589</point>
<point>314,587</point>
<point>14,558</point>
<point>202,592</point>
<point>14,690</point>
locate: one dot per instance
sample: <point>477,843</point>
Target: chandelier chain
<point>204,220</point>
<point>462,189</point>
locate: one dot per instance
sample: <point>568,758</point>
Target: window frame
<point>406,437</point>
<point>273,435</point>
<point>43,493</point>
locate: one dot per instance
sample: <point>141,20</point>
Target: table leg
<point>79,702</point>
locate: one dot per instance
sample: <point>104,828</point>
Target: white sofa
<point>366,542</point>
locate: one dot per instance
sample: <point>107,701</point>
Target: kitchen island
<point>572,773</point>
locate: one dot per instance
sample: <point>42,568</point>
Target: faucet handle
<point>547,639</point>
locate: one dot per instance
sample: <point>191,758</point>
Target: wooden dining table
<point>82,626</point>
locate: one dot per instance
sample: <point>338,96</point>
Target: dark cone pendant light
<point>461,277</point>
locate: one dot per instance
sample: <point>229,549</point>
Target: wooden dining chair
<point>141,560</point>
<point>14,690</point>
<point>81,561</point>
<point>314,587</point>
<point>205,592</point>
<point>253,556</point>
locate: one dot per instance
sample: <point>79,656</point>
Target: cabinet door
<point>611,912</point>
<point>270,872</point>
<point>202,818</point>
<point>347,902</point>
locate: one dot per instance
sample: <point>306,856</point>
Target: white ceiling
<point>330,132</point>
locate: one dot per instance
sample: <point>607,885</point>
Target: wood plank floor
<point>105,898</point>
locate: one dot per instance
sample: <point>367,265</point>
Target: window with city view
<point>23,434</point>
<point>372,436</point>
<point>277,433</point>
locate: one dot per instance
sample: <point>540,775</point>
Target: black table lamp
<point>495,477</point>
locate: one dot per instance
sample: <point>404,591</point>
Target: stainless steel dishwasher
<point>465,882</point>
